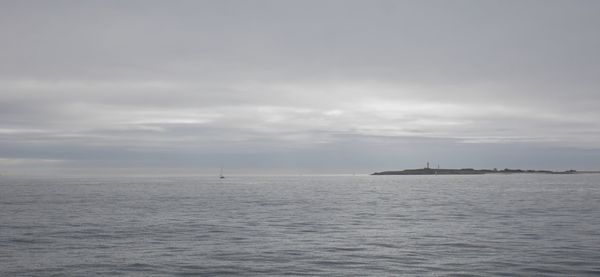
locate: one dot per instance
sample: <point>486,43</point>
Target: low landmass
<point>467,171</point>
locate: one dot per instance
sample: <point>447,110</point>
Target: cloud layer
<point>304,86</point>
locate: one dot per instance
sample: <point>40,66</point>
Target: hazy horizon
<point>297,87</point>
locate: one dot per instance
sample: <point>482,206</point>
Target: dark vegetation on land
<point>467,171</point>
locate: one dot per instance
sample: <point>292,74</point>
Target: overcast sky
<point>263,87</point>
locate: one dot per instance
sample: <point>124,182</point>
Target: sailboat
<point>221,174</point>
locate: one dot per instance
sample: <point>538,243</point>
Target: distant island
<point>466,171</point>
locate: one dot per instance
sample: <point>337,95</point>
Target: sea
<point>470,225</point>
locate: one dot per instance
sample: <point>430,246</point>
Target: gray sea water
<point>490,225</point>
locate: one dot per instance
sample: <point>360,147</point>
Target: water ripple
<point>311,226</point>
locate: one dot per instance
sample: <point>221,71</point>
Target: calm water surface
<point>330,226</point>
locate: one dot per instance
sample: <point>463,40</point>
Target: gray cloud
<point>297,86</point>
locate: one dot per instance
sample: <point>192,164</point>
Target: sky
<point>297,87</point>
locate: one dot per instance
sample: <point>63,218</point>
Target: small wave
<point>30,241</point>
